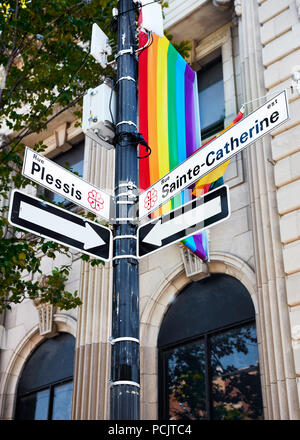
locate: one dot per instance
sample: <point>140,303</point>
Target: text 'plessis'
<point>37,170</point>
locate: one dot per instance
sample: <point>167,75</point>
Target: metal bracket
<point>125,219</point>
<point>128,78</point>
<point>124,338</point>
<point>129,185</point>
<point>119,257</point>
<point>126,122</point>
<point>124,52</point>
<point>124,382</point>
<point>125,202</point>
<point>124,236</point>
<point>130,195</point>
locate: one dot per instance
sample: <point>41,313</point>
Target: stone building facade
<point>259,245</point>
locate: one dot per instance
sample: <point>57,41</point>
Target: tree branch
<point>41,31</point>
<point>12,55</point>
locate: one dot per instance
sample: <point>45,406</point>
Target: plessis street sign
<point>241,135</point>
<point>47,173</point>
<point>189,219</point>
<point>49,221</point>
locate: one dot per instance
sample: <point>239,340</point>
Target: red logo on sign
<point>151,199</point>
<point>95,200</point>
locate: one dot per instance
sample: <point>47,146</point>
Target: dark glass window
<point>187,381</point>
<point>209,362</point>
<point>211,98</point>
<point>72,159</point>
<point>45,387</point>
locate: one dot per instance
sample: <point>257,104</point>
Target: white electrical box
<point>99,106</point>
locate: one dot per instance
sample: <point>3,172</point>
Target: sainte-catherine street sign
<point>52,176</point>
<point>189,219</point>
<point>34,215</point>
<point>259,123</point>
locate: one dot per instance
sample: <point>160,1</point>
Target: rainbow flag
<point>168,120</point>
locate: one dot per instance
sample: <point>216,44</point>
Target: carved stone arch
<point>154,312</point>
<point>176,280</point>
<point>8,388</point>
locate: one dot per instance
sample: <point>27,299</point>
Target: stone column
<point>277,364</point>
<point>92,367</point>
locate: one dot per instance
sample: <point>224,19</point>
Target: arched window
<point>46,384</point>
<point>208,359</point>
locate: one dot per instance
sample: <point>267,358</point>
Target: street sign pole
<point>125,382</point>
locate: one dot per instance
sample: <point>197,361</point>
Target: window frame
<point>48,366</point>
<point>163,393</point>
<point>50,387</point>
<point>218,125</point>
<point>222,41</point>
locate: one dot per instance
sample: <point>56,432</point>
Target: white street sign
<point>85,234</point>
<point>52,176</point>
<point>52,222</point>
<point>256,125</point>
<point>189,219</point>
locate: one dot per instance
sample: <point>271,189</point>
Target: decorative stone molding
<point>222,4</point>
<point>212,42</point>
<point>46,313</point>
<point>61,136</point>
<point>46,324</point>
<point>194,267</point>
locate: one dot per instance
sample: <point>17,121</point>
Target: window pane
<point>211,98</point>
<point>62,402</point>
<point>236,382</point>
<point>186,382</point>
<point>42,403</point>
<point>34,406</point>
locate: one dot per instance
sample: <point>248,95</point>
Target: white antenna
<point>100,49</point>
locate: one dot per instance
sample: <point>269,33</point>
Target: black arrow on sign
<point>184,221</point>
<point>49,221</point>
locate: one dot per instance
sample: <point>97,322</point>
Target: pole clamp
<point>125,202</point>
<point>118,237</point>
<point>118,257</point>
<point>124,338</point>
<point>124,52</point>
<point>130,195</point>
<point>128,78</point>
<point>129,185</point>
<point>125,219</point>
<point>126,122</point>
<point>124,382</point>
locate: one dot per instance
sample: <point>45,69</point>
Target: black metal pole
<point>125,353</point>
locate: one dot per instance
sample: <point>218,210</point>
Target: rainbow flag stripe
<point>168,120</point>
<point>168,109</point>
